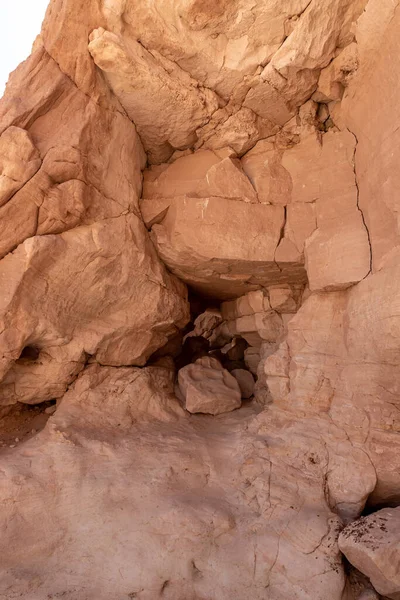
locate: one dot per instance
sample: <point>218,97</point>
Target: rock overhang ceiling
<point>217,75</point>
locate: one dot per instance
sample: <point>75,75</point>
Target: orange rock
<point>208,388</point>
<point>252,193</point>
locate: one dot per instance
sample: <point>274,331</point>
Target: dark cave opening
<point>29,354</point>
<point>207,336</point>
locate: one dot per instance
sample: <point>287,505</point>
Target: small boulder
<point>372,545</point>
<point>207,387</point>
<point>205,323</point>
<point>246,382</point>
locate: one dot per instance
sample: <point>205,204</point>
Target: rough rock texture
<point>216,76</point>
<point>20,160</point>
<point>221,247</point>
<point>191,496</point>
<point>302,213</point>
<point>372,545</point>
<point>84,279</point>
<point>207,387</point>
<point>205,323</point>
<point>250,150</point>
<point>75,312</point>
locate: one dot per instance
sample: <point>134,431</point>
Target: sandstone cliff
<point>217,170</point>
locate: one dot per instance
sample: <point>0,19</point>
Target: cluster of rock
<point>234,339</point>
<point>235,148</point>
<point>287,212</point>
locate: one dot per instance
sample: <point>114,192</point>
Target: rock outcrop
<point>225,237</point>
<point>134,480</point>
<point>243,155</point>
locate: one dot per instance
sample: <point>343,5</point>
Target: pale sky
<point>20,23</point>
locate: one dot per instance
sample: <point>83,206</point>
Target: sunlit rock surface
<point>248,150</point>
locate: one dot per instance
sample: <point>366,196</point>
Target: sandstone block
<point>372,545</point>
<point>199,175</point>
<point>208,388</point>
<point>19,161</point>
<point>146,93</point>
<point>252,302</point>
<point>222,247</point>
<point>98,291</point>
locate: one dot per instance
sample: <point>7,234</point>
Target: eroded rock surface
<point>98,291</point>
<point>250,151</point>
<point>207,387</point>
<point>148,484</point>
<point>372,545</point>
<point>233,73</point>
<point>287,211</point>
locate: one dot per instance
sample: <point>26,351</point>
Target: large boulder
<point>372,545</point>
<point>206,64</point>
<point>85,159</point>
<point>95,291</point>
<point>80,277</point>
<point>301,219</point>
<point>223,247</point>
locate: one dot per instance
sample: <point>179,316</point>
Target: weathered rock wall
<point>267,138</point>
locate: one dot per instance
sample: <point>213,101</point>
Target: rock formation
<point>207,387</point>
<point>195,195</point>
<point>372,545</point>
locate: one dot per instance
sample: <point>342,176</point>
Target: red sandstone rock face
<point>249,151</point>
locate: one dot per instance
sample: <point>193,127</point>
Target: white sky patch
<point>21,21</point>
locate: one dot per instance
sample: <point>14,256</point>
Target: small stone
<point>16,440</point>
<point>208,388</point>
<point>205,323</point>
<point>246,382</point>
<point>50,409</point>
<point>368,595</point>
